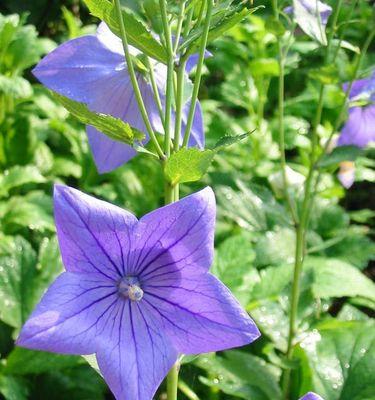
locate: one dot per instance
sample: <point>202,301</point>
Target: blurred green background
<point>40,144</point>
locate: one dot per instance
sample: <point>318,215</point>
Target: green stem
<point>180,22</point>
<point>198,75</point>
<point>172,382</point>
<point>302,225</point>
<point>171,194</point>
<point>170,70</point>
<point>281,128</point>
<point>179,101</point>
<point>133,78</point>
<point>155,89</point>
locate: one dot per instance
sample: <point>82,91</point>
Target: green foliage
<point>138,35</point>
<point>114,128</point>
<point>188,165</point>
<point>340,360</point>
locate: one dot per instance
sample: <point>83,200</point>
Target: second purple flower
<point>92,69</point>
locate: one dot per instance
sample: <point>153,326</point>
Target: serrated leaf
<point>229,140</point>
<point>188,165</point>
<point>219,25</point>
<point>336,278</point>
<point>114,128</point>
<point>234,266</point>
<point>17,278</point>
<point>137,33</point>
<point>18,176</point>
<point>241,375</point>
<point>339,154</point>
<point>341,360</point>
<point>16,87</point>
<point>33,211</point>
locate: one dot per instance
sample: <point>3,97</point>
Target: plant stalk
<point>133,78</point>
<point>281,128</point>
<point>170,70</point>
<point>302,225</point>
<point>172,382</point>
<point>198,75</point>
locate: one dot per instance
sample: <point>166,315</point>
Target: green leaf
<point>264,66</point>
<point>339,154</point>
<point>273,281</point>
<point>326,75</point>
<point>234,265</point>
<point>24,276</point>
<point>16,87</point>
<point>241,375</point>
<point>220,23</point>
<point>24,361</point>
<point>229,140</point>
<point>78,383</point>
<point>335,278</point>
<point>275,247</point>
<point>18,176</point>
<point>17,279</point>
<point>341,359</point>
<point>13,388</point>
<point>188,165</point>
<point>114,128</point>
<point>275,26</point>
<point>33,211</point>
<point>137,33</point>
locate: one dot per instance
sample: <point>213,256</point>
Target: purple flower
<point>312,17</point>
<point>136,293</point>
<point>92,69</point>
<point>359,129</point>
<point>311,396</point>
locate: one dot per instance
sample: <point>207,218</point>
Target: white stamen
<point>129,287</point>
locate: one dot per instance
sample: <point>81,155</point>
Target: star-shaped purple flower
<point>359,129</point>
<point>92,69</point>
<point>311,396</point>
<point>136,293</point>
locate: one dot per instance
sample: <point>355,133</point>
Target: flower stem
<point>172,382</point>
<point>170,70</point>
<point>179,101</point>
<point>133,78</point>
<point>171,194</point>
<point>198,75</point>
<point>302,225</point>
<point>281,128</point>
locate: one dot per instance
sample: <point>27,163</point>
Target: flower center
<point>130,288</point>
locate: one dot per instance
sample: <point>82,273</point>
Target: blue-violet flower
<point>92,69</point>
<point>136,293</point>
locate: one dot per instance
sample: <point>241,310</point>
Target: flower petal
<point>199,313</point>
<point>74,68</point>
<point>70,315</point>
<point>94,236</point>
<point>359,128</point>
<point>197,137</point>
<point>117,99</point>
<point>182,231</point>
<point>137,356</point>
<point>311,396</point>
